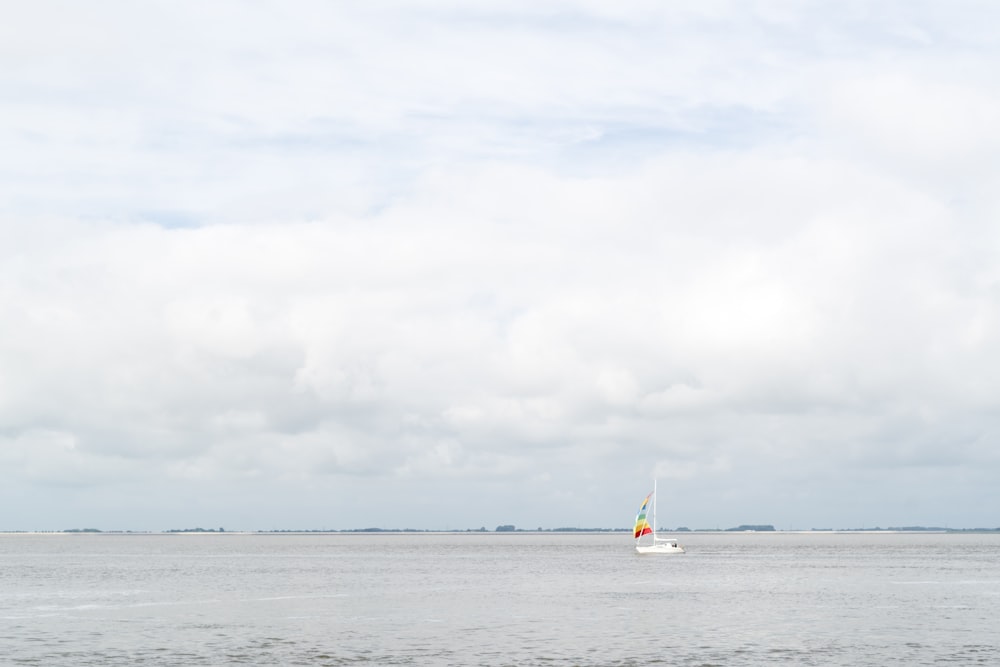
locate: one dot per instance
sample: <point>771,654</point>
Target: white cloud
<point>532,253</point>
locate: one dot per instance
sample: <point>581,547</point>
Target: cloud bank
<point>428,265</point>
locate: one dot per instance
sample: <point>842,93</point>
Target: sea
<point>553,599</point>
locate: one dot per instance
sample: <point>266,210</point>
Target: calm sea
<point>499,599</point>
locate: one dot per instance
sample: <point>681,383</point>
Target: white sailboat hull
<point>660,547</point>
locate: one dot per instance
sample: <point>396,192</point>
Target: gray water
<point>499,599</point>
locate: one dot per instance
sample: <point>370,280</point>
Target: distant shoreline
<point>518,531</point>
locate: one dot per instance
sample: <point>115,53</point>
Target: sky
<point>448,265</point>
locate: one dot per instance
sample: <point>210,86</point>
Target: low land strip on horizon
<point>508,528</point>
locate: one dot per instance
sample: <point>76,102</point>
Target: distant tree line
<point>510,528</point>
<point>196,530</point>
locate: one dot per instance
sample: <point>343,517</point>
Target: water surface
<point>499,599</point>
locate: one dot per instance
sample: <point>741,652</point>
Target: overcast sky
<point>270,265</point>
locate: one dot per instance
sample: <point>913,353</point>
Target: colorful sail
<point>642,526</point>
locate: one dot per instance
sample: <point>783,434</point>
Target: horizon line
<point>504,529</point>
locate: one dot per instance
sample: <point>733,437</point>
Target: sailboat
<point>654,545</point>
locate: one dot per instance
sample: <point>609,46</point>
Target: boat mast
<point>654,510</point>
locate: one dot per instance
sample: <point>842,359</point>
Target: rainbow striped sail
<point>642,526</point>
